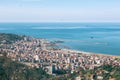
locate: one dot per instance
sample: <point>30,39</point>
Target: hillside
<point>8,38</point>
<point>104,72</point>
<point>12,70</point>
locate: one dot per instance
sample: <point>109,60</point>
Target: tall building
<point>50,69</point>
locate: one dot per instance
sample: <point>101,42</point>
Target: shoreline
<point>83,52</point>
<point>92,53</point>
<point>76,50</point>
<point>45,43</point>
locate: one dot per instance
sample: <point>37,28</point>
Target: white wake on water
<point>57,27</point>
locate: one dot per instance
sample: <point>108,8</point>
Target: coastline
<point>46,42</point>
<point>92,53</point>
<point>89,38</point>
<point>34,52</point>
<point>85,52</point>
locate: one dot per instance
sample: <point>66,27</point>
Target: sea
<point>89,37</point>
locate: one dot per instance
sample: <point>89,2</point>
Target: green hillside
<point>8,38</point>
<point>11,70</point>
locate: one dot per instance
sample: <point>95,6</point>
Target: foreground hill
<point>104,72</point>
<point>12,70</point>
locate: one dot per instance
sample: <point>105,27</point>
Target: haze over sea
<point>91,37</point>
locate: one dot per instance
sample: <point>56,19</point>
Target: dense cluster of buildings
<point>34,52</point>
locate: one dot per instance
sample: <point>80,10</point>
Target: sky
<point>59,10</point>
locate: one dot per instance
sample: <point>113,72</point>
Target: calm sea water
<point>90,37</point>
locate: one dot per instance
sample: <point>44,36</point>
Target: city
<point>35,52</point>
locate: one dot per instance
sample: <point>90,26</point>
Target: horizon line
<point>59,21</point>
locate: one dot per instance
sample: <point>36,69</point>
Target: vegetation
<point>12,70</point>
<point>9,38</point>
<point>60,72</point>
<point>107,71</point>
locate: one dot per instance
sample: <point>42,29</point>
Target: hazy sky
<point>60,10</point>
